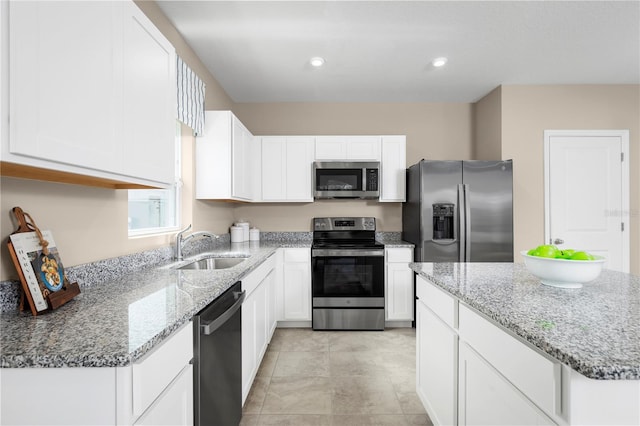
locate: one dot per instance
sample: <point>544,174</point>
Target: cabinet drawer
<point>442,304</point>
<point>399,255</point>
<point>531,372</point>
<point>153,373</point>
<point>297,255</point>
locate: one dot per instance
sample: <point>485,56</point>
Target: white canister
<point>237,234</point>
<point>245,229</point>
<point>254,234</point>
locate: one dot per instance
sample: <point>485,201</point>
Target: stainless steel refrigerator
<point>459,211</point>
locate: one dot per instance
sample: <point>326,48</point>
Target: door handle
<point>557,241</point>
<point>212,326</point>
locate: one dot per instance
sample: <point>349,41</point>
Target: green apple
<point>566,254</point>
<point>546,250</point>
<point>581,255</point>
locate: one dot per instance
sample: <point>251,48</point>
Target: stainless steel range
<point>347,274</point>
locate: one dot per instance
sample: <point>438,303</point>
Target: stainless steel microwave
<point>346,179</point>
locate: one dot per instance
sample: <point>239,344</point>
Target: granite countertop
<point>116,322</point>
<point>393,240</point>
<point>131,305</point>
<point>595,329</point>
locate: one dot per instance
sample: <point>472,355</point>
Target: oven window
<point>339,180</point>
<point>349,276</point>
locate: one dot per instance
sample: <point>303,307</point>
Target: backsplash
<point>102,271</point>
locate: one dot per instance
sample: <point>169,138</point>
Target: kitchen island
<point>496,345</point>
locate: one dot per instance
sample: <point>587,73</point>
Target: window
<point>154,211</point>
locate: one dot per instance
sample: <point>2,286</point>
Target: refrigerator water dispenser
<point>443,221</point>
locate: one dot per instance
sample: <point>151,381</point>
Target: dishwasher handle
<point>212,326</point>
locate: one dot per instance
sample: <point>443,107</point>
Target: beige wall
<point>441,131</point>
<point>487,127</point>
<point>529,110</point>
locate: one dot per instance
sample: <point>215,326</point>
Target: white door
<point>587,193</point>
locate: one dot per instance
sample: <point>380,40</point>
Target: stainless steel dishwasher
<point>217,360</point>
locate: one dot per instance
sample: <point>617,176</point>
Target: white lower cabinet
<point>157,389</point>
<point>175,405</point>
<point>296,284</point>
<point>471,371</point>
<point>399,284</point>
<point>487,398</point>
<point>437,366</point>
<point>258,320</point>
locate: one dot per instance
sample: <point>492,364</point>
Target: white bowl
<point>562,272</point>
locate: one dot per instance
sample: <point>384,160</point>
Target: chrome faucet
<point>180,241</point>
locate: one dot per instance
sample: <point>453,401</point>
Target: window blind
<point>191,91</point>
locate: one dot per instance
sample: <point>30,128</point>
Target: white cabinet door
<point>299,168</point>
<point>65,83</point>
<point>399,292</point>
<point>363,148</point>
<point>175,405</point>
<point>92,92</point>
<point>287,164</point>
<point>241,161</point>
<point>330,148</point>
<point>258,315</point>
<point>224,159</point>
<point>248,343</point>
<point>343,148</point>
<point>436,373</point>
<point>274,172</point>
<point>149,113</point>
<point>270,283</point>
<point>297,285</point>
<point>393,169</point>
<point>399,284</point>
<point>487,398</point>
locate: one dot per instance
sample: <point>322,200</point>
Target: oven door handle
<point>345,253</point>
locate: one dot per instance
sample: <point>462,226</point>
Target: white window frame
<point>177,187</point>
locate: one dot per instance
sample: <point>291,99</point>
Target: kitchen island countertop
<point>595,329</point>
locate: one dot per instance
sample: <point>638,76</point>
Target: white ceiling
<point>380,51</point>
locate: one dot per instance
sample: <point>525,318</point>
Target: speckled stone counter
<point>595,330</point>
<point>392,240</point>
<point>114,323</point>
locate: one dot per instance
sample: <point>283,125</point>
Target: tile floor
<point>337,378</point>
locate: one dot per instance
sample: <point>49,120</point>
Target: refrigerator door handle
<point>467,224</point>
<point>462,223</point>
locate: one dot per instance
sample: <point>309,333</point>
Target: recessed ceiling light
<point>439,62</point>
<point>317,61</point>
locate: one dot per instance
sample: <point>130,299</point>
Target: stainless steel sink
<point>214,263</point>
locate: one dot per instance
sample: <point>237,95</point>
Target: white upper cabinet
<point>343,148</point>
<point>393,169</point>
<point>224,159</point>
<point>287,163</point>
<point>92,92</point>
<point>149,113</point>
